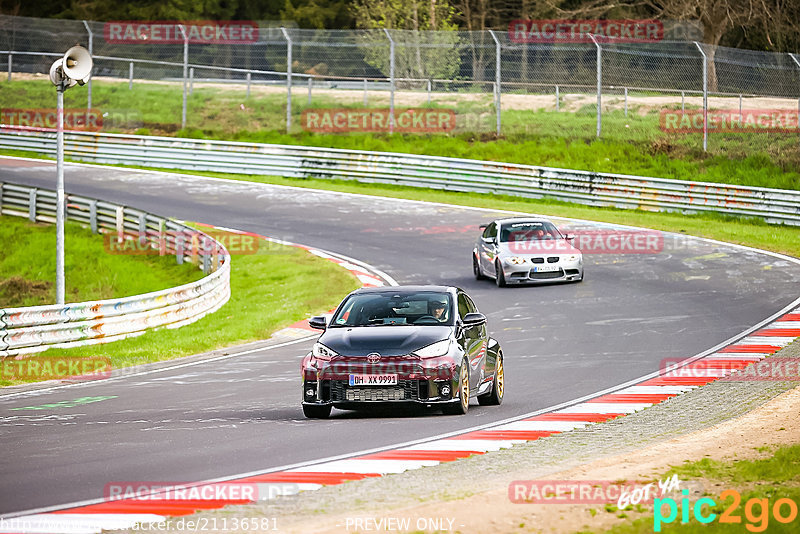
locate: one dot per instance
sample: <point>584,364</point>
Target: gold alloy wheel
<point>464,387</point>
<point>499,378</point>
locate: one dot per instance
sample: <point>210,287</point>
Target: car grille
<point>538,260</point>
<point>547,275</point>
<point>552,259</point>
<point>340,391</point>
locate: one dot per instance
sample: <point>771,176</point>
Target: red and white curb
<point>656,388</point>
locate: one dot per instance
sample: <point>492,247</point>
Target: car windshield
<point>529,231</point>
<point>395,309</point>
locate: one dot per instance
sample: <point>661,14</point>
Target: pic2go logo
<point>756,511</point>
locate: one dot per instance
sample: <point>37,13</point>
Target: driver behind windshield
<point>438,310</point>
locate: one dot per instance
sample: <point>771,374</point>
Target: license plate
<point>545,268</point>
<point>373,380</point>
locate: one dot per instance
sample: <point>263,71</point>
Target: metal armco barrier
<point>584,187</point>
<point>37,328</point>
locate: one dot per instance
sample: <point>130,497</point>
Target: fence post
<point>797,62</point>
<point>91,53</point>
<point>683,102</point>
<point>365,92</point>
<point>558,100</point>
<point>599,84</point>
<point>391,81</point>
<point>626,101</point>
<point>497,77</point>
<point>288,79</point>
<point>130,76</point>
<point>185,73</point>
<point>429,91</point>
<point>249,79</point>
<point>705,96</point>
<point>191,80</point>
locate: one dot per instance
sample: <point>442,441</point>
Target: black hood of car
<point>385,340</point>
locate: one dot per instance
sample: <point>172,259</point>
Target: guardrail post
<point>1,198</point>
<point>683,102</point>
<point>206,262</point>
<point>497,78</point>
<point>130,76</point>
<point>142,229</point>
<point>626,101</point>
<point>288,79</point>
<point>162,237</point>
<point>195,246</point>
<point>429,92</point>
<point>93,216</point>
<point>365,92</point>
<point>310,84</point>
<point>179,248</point>
<point>91,53</point>
<point>796,62</point>
<point>249,79</point>
<point>558,100</point>
<point>32,205</point>
<point>191,81</point>
<point>120,223</point>
<point>599,84</point>
<point>391,80</point>
<point>185,73</point>
<point>9,66</point>
<point>705,96</point>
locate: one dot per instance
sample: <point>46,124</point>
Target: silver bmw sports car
<point>525,251</point>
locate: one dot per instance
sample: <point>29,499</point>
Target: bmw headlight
<point>322,352</point>
<point>573,257</point>
<point>440,348</point>
<point>515,260</point>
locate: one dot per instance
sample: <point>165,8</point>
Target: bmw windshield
<point>395,309</point>
<point>529,231</point>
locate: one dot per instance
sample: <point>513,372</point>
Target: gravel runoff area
<point>720,420</point>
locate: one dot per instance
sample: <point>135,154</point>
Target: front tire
<point>476,269</point>
<point>499,277</point>
<point>317,412</point>
<point>495,396</point>
<point>461,407</point>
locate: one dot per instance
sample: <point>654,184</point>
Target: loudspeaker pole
<point>61,87</point>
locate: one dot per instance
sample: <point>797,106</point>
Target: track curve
<point>242,414</point>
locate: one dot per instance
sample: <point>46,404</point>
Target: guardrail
<point>37,328</point>
<point>584,187</point>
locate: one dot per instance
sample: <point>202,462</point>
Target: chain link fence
<point>668,93</point>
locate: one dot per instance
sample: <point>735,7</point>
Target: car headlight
<point>322,352</point>
<point>573,257</point>
<point>515,260</point>
<point>440,348</point>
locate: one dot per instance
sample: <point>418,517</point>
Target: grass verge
<point>269,290</point>
<point>632,144</point>
<point>28,272</point>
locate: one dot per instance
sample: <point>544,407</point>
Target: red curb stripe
<point>723,364</point>
<point>326,478</point>
<point>679,381</point>
<point>778,332</point>
<point>167,507</point>
<point>750,348</point>
<point>505,434</point>
<point>587,417</point>
<point>634,397</point>
<point>441,456</point>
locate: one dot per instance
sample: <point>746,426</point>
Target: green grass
<point>28,272</point>
<point>773,478</point>
<point>631,145</point>
<point>269,290</point>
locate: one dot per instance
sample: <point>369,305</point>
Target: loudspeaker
<point>77,64</point>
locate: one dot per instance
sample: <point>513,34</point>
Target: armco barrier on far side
<point>36,328</point>
<point>583,187</point>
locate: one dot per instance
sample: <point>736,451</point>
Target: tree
<point>419,52</point>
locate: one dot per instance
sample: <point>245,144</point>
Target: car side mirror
<point>488,240</point>
<point>473,319</point>
<point>569,237</point>
<point>483,226</point>
<point>319,322</point>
